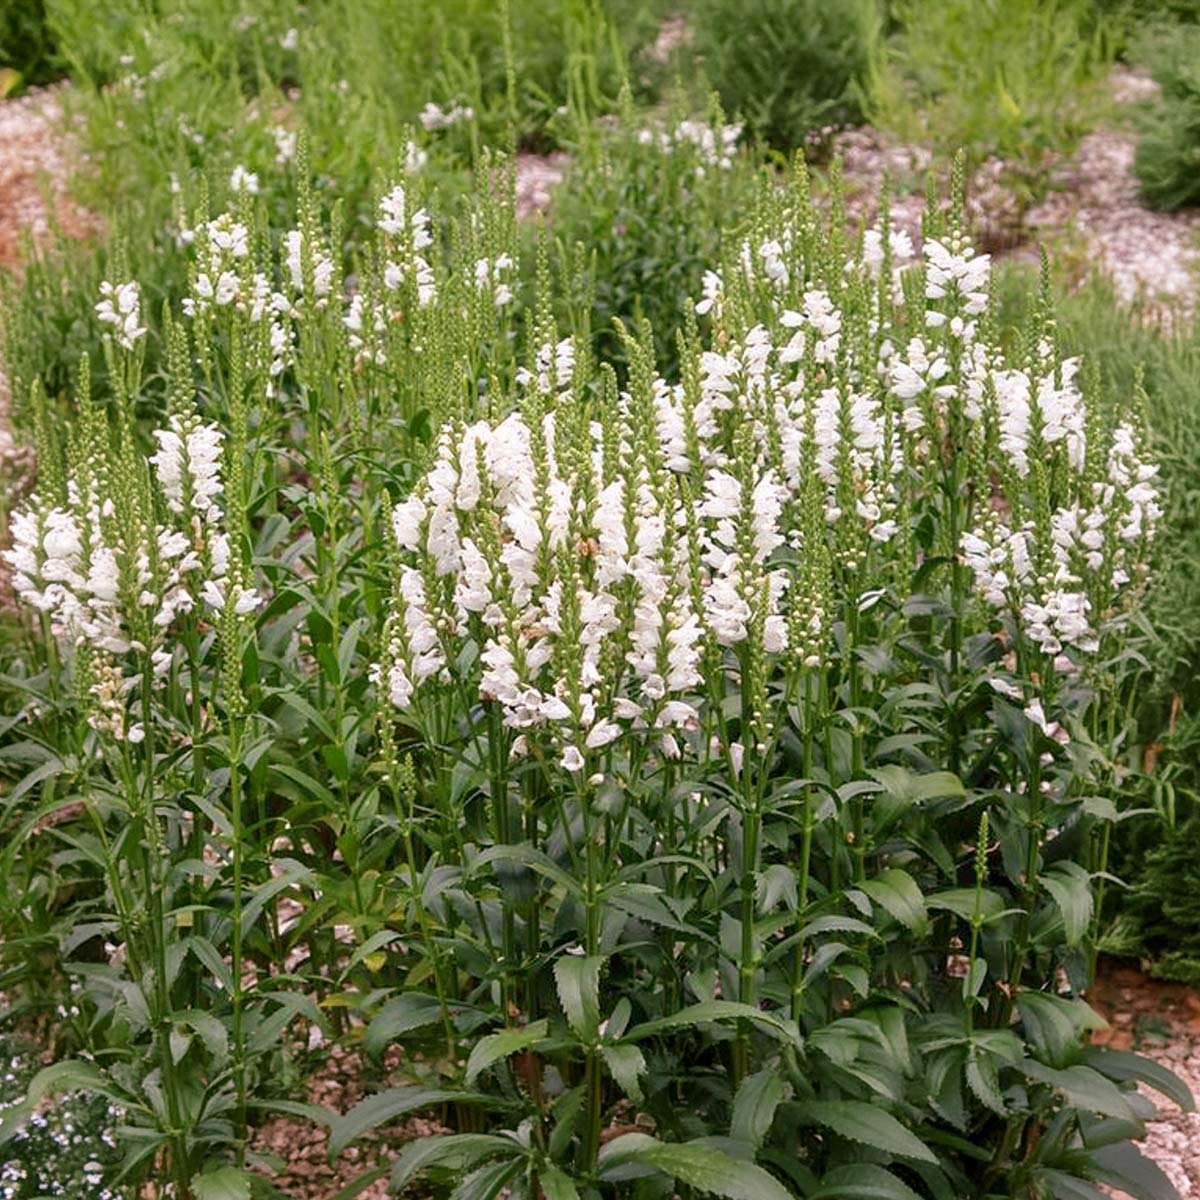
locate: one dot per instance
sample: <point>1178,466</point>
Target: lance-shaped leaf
<point>754,1107</point>
<point>578,981</point>
<point>871,1126</point>
<point>386,1106</point>
<point>457,1153</point>
<point>500,1045</point>
<point>693,1163</point>
<point>709,1011</point>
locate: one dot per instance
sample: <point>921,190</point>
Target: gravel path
<point>1093,208</point>
<point>1162,1021</point>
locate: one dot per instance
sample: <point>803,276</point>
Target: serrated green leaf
<point>1123,1065</point>
<point>709,1011</point>
<point>455,1152</point>
<point>693,1163</point>
<point>862,1181</point>
<point>1056,1024</point>
<point>1084,1088</point>
<point>488,1181</point>
<point>497,1046</point>
<point>754,1107</point>
<point>225,1183</point>
<point>384,1107</point>
<point>897,892</point>
<point>578,982</point>
<point>836,923</point>
<point>1125,1168</point>
<point>556,1185</point>
<point>984,1080</point>
<point>400,1015</point>
<point>626,1064</point>
<point>1071,888</point>
<point>869,1125</point>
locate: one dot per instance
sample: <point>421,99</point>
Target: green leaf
<point>626,1064</point>
<point>556,1185</point>
<point>1084,1088</point>
<point>870,1125</point>
<point>225,1183</point>
<point>897,892</point>
<point>458,1152</point>
<point>1068,1187</point>
<point>835,923</point>
<point>984,1080</point>
<point>384,1107</point>
<point>961,902</point>
<point>1124,1167</point>
<point>754,1107</point>
<point>693,1163</point>
<point>400,1015</point>
<point>67,1076</point>
<point>720,1010</point>
<point>862,1181</point>
<point>500,1045</point>
<point>578,981</point>
<point>1123,1065</point>
<point>487,1182</point>
<point>1056,1024</point>
<point>1071,887</point>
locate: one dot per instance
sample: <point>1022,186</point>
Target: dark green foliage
<point>786,67</point>
<point>27,44</point>
<point>1168,154</point>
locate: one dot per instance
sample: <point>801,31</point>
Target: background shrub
<point>1014,78</point>
<point>1168,154</point>
<point>785,67</point>
<point>27,45</point>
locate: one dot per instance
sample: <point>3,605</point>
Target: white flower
<point>120,307</point>
<point>242,180</point>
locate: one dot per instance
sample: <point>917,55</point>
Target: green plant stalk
<point>238,997</point>
<point>593,1069</point>
<point>1033,853</point>
<point>426,926</point>
<point>857,803</point>
<point>503,836</point>
<point>806,840</point>
<point>751,835</point>
<point>155,886</point>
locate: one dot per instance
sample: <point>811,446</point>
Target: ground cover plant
<point>1167,150</point>
<point>1020,81</point>
<point>702,777</point>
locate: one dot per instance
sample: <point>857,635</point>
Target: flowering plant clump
<point>702,774</point>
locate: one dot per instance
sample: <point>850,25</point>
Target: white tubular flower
<point>242,180</point>
<point>322,266</point>
<point>774,267</point>
<point>1062,412</point>
<point>825,320</point>
<point>712,291</point>
<point>963,275</point>
<point>188,465</point>
<point>121,306</point>
<point>285,145</point>
<point>1013,391</point>
<point>899,243</point>
<point>245,599</point>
